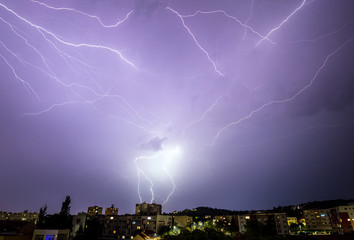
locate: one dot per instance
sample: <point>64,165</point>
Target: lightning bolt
<point>327,125</point>
<point>280,101</point>
<point>135,115</point>
<point>202,117</point>
<point>324,35</point>
<point>231,17</point>
<point>91,103</point>
<point>196,41</point>
<point>247,20</point>
<point>141,172</point>
<point>173,185</point>
<point>85,14</point>
<point>77,45</point>
<point>282,22</point>
<point>51,74</point>
<point>25,83</point>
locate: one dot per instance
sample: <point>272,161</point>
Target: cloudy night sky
<point>234,104</point>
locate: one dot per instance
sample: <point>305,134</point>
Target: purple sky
<point>234,104</point>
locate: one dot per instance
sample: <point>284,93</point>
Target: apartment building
<point>20,216</point>
<point>94,210</point>
<point>112,211</point>
<point>317,220</point>
<point>147,209</point>
<point>277,221</point>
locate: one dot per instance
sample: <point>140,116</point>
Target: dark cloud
<point>96,113</point>
<point>154,144</point>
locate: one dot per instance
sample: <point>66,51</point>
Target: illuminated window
<point>49,237</point>
<point>322,215</point>
<point>247,217</point>
<point>147,223</point>
<point>138,227</point>
<point>149,218</point>
<point>114,232</point>
<point>111,218</point>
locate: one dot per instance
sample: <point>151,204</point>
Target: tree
<point>294,227</point>
<point>42,216</point>
<point>164,230</point>
<point>65,220</point>
<point>65,207</point>
<point>208,234</point>
<point>256,230</point>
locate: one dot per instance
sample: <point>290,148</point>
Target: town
<point>336,218</point>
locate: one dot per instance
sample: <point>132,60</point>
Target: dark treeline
<point>62,220</point>
<point>290,210</point>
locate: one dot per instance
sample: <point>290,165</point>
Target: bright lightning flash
<point>150,167</point>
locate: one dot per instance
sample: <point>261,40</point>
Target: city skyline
<point>230,104</point>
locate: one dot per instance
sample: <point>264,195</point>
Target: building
<point>78,220</point>
<point>21,216</point>
<point>163,220</point>
<point>242,222</point>
<point>317,220</point>
<point>350,211</point>
<point>128,226</point>
<point>147,209</point>
<point>277,221</point>
<point>51,234</point>
<point>342,219</point>
<point>291,220</point>
<point>183,221</point>
<point>92,211</point>
<point>112,211</point>
<point>16,230</point>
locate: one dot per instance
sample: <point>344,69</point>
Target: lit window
<point>149,218</point>
<point>133,222</point>
<point>111,218</point>
<point>114,232</point>
<point>49,237</point>
<point>247,217</point>
<point>138,227</point>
